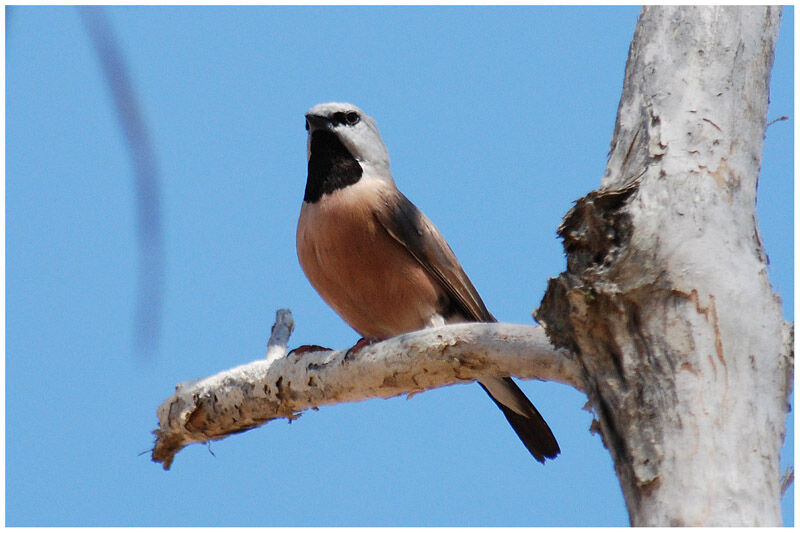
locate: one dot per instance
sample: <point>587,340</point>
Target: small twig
<point>787,480</point>
<point>779,119</point>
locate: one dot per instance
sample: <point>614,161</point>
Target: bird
<point>379,262</point>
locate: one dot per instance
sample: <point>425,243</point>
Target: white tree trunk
<point>666,312</point>
<point>666,301</point>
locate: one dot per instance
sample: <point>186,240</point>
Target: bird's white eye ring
<point>352,118</point>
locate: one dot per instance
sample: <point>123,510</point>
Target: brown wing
<point>410,227</point>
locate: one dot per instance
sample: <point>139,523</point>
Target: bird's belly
<point>366,276</point>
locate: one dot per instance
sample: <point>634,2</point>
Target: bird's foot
<point>306,348</point>
<point>357,347</point>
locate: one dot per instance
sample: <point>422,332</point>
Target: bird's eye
<point>352,118</point>
<point>339,118</point>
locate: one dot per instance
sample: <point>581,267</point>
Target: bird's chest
<point>334,238</point>
<point>366,276</point>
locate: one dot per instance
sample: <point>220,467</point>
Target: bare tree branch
<point>281,387</point>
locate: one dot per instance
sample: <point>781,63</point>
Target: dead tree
<point>666,303</point>
<point>664,317</point>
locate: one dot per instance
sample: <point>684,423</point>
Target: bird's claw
<point>306,348</point>
<point>362,343</point>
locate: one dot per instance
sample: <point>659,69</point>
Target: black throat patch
<point>330,167</point>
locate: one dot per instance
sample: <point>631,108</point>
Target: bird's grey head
<point>343,146</point>
<point>355,129</point>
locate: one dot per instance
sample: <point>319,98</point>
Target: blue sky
<point>496,120</point>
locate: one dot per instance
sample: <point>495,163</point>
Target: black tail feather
<point>531,428</point>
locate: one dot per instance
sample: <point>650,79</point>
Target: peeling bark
<point>666,301</point>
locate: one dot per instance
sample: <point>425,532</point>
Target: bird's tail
<point>529,425</point>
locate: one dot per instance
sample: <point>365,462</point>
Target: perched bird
<point>379,262</point>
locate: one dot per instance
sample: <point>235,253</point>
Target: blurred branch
<point>148,312</point>
<point>282,386</point>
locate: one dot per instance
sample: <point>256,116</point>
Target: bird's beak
<point>316,122</point>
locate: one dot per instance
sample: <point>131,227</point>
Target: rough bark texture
<point>280,387</point>
<point>666,302</point>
